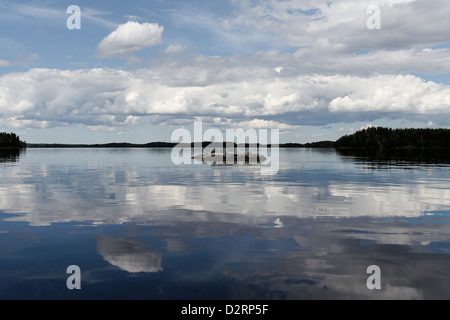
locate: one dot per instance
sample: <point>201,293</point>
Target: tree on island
<point>378,137</point>
<point>11,140</point>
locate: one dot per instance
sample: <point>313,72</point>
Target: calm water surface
<point>140,227</point>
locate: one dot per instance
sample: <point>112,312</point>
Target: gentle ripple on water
<point>141,227</point>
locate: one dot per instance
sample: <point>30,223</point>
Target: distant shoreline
<point>374,138</point>
<point>320,144</point>
<point>170,146</point>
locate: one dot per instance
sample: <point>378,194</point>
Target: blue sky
<point>138,70</point>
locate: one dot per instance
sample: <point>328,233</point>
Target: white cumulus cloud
<point>129,38</point>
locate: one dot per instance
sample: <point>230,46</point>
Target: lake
<point>140,227</point>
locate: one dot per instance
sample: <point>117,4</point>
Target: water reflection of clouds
<point>329,260</point>
<point>128,255</point>
<point>385,201</point>
<point>324,211</point>
<point>45,194</point>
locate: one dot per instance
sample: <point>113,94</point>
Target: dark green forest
<point>11,140</point>
<point>376,138</point>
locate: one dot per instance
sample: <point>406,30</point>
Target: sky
<point>135,71</point>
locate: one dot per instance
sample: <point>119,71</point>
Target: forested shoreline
<point>370,138</point>
<point>11,140</point>
<point>320,144</point>
<point>387,138</point>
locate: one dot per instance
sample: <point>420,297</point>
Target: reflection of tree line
<point>426,156</point>
<point>10,154</point>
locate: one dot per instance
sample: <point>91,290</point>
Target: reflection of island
<point>128,255</point>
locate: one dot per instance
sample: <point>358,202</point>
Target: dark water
<point>140,227</point>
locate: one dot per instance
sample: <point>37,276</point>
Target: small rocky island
<point>229,157</point>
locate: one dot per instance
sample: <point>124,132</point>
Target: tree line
<point>379,137</point>
<point>370,138</point>
<point>11,140</point>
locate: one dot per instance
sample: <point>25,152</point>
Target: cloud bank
<point>117,99</point>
